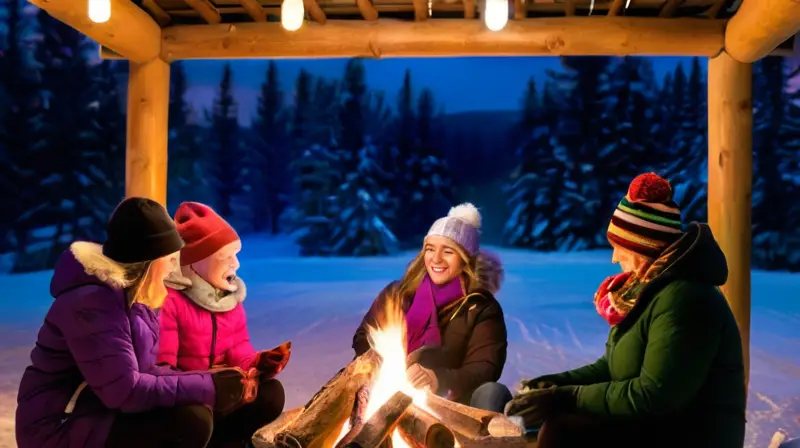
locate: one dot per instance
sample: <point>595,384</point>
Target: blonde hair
<point>141,288</point>
<point>416,271</point>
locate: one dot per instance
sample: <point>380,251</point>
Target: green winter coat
<point>674,365</point>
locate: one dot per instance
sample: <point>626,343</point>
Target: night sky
<point>459,84</point>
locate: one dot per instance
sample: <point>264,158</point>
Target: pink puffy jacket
<point>193,338</point>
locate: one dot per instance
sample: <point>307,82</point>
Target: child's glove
<point>271,362</point>
<point>234,388</point>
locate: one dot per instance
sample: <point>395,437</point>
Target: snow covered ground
<point>317,303</point>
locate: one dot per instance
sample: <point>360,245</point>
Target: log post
<point>730,172</point>
<point>148,107</point>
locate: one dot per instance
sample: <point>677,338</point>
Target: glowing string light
<point>99,10</point>
<point>292,14</point>
<point>496,14</point>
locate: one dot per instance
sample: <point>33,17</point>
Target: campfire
<point>371,404</point>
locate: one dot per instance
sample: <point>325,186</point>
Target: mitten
<point>538,405</point>
<point>271,362</point>
<point>233,388</point>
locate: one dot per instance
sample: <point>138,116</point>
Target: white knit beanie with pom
<point>462,225</point>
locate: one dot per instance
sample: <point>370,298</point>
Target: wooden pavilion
<point>731,33</point>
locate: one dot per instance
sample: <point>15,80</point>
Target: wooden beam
<point>759,26</point>
<point>148,106</point>
<point>315,11</point>
<point>206,10</point>
<point>367,10</point>
<point>730,169</point>
<point>569,8</point>
<point>520,9</point>
<point>254,10</point>
<point>713,11</point>
<point>616,7</point>
<point>129,32</point>
<point>420,9</point>
<point>161,16</point>
<point>470,7</point>
<point>668,10</point>
<point>588,36</point>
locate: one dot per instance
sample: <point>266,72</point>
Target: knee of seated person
<point>196,422</point>
<point>491,397</point>
<point>272,397</point>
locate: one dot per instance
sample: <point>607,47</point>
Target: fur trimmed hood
<point>83,263</point>
<point>205,295</point>
<point>490,271</point>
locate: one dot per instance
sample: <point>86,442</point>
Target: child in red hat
<point>203,323</point>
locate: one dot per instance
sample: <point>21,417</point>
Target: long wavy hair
<point>140,285</point>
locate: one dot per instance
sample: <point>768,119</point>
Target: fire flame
<point>389,341</point>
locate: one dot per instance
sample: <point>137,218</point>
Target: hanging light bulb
<point>292,14</point>
<point>99,10</point>
<point>496,14</point>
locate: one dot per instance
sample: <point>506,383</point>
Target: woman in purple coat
<point>93,381</point>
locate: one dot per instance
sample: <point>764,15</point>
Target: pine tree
<point>400,155</point>
<point>20,103</point>
<point>227,162</point>
<point>60,208</point>
<point>270,167</point>
<point>185,168</point>
<point>776,140</point>
<point>585,202</point>
<point>687,169</point>
<point>536,181</point>
<point>362,203</point>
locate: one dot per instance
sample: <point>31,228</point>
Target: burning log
<point>265,437</point>
<point>357,417</point>
<point>378,428</point>
<point>319,424</point>
<point>422,430</point>
<point>472,422</point>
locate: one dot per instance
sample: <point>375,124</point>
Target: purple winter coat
<point>90,334</point>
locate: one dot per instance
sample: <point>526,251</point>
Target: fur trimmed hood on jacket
<point>95,264</point>
<point>490,271</point>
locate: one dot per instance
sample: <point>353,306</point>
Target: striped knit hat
<point>647,220</point>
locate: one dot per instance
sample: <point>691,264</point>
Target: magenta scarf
<point>422,319</point>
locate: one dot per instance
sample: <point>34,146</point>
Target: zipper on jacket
<point>213,340</point>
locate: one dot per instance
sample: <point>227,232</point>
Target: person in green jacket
<point>673,372</point>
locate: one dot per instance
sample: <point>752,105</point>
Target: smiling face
<point>627,260</point>
<point>442,261</point>
<point>220,268</point>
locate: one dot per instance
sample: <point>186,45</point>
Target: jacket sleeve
<point>682,341</point>
<point>596,372</point>
<point>242,354</point>
<point>168,333</point>
<point>485,356</point>
<point>97,332</point>
<point>360,340</point>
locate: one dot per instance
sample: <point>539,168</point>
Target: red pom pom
<point>650,187</point>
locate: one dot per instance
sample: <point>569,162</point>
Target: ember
<point>371,404</point>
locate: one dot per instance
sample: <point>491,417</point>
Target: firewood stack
<point>444,424</point>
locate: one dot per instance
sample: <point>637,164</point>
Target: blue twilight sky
<point>459,84</point>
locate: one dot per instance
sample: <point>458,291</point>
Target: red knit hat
<point>203,231</point>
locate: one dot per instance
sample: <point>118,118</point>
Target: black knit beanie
<point>139,230</point>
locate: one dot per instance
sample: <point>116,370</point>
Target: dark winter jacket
<point>91,336</point>
<point>474,339</point>
<point>674,364</point>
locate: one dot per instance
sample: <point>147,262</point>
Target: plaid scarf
<point>624,298</point>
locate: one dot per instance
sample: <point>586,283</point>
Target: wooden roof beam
<point>420,9</point>
<point>469,8</point>
<point>616,36</point>
<point>760,26</point>
<point>130,32</point>
<point>616,7</point>
<point>569,8</point>
<point>254,10</point>
<point>668,10</point>
<point>367,10</point>
<point>161,16</point>
<point>206,10</point>
<point>315,11</point>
